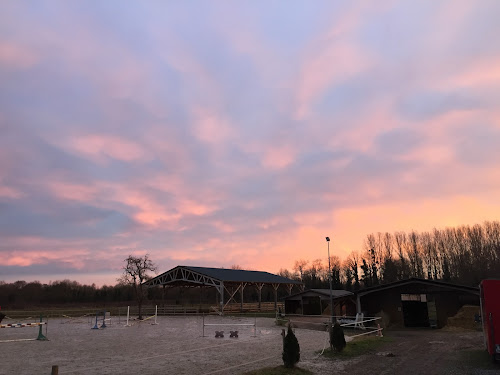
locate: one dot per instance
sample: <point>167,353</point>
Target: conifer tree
<point>337,339</point>
<point>291,349</point>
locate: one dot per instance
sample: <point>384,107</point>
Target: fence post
<point>55,370</point>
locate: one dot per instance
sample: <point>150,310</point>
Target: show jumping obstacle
<point>41,336</point>
<point>143,320</point>
<point>103,325</point>
<point>233,334</point>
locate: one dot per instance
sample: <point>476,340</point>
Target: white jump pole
<point>128,315</point>
<point>156,314</point>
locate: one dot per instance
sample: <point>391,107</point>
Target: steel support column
<point>242,288</point>
<point>259,287</point>
<point>221,291</point>
<point>275,287</point>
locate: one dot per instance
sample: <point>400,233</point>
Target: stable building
<point>415,302</point>
<point>317,302</point>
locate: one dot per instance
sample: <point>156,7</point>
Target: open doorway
<point>415,312</point>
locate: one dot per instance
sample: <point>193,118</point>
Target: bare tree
<point>414,253</point>
<point>400,241</point>
<point>289,275</point>
<point>353,262</point>
<point>135,272</point>
<point>300,266</point>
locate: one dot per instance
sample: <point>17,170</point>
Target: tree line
<point>462,255</point>
<point>22,294</point>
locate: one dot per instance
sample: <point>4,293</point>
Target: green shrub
<point>337,339</point>
<point>291,349</point>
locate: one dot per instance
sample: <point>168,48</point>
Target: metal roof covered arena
<point>222,279</point>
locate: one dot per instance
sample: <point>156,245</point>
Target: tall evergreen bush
<point>337,339</point>
<point>291,349</point>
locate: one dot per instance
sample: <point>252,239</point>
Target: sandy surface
<point>175,346</point>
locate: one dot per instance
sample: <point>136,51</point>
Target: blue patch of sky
<point>351,95</point>
<point>399,33</point>
<point>291,26</point>
<point>398,141</point>
<point>424,105</point>
<point>479,32</point>
<point>36,217</point>
<point>479,145</point>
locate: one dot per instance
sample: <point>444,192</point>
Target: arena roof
<point>211,276</point>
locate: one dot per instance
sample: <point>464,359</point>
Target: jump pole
<point>156,315</point>
<point>128,314</point>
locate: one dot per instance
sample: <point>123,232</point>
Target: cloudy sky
<point>219,132</point>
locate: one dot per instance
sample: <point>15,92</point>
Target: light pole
<point>330,277</point>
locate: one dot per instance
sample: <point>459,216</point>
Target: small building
<point>415,302</point>
<point>317,302</point>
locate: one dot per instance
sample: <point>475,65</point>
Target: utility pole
<point>330,274</point>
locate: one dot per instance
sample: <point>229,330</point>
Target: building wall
<point>388,301</point>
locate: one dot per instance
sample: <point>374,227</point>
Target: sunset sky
<point>213,133</point>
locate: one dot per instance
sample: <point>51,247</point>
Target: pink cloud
<point>16,56</point>
<point>211,127</point>
<point>70,256</point>
<point>277,157</point>
<point>72,191</point>
<point>8,192</point>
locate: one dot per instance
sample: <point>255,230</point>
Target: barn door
<point>431,310</point>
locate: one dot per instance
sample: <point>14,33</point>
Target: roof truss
<point>181,275</point>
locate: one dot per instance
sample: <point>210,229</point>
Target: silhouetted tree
<point>135,272</point>
<point>300,266</point>
<point>337,338</point>
<point>291,349</point>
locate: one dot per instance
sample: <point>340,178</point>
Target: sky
<point>221,133</point>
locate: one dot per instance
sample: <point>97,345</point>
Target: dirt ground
<point>426,352</point>
<point>175,346</point>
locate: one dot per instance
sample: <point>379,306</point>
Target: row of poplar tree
<point>463,255</point>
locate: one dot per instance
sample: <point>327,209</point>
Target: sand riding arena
<point>173,346</point>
